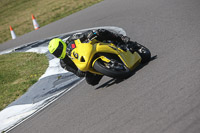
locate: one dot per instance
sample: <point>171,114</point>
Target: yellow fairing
<point>129,59</point>
<point>83,54</point>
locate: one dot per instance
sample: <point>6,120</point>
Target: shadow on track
<point>117,81</point>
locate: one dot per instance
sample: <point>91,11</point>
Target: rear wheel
<point>142,51</point>
<point>113,68</point>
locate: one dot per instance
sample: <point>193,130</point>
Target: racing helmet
<point>57,47</point>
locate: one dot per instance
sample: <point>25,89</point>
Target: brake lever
<point>89,40</point>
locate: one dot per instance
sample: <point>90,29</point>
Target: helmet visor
<point>58,52</point>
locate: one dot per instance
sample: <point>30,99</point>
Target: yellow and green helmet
<point>57,47</point>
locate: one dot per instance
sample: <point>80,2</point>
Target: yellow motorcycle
<point>106,58</point>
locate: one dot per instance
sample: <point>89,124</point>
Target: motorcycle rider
<point>61,49</point>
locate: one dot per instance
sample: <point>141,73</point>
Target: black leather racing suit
<point>101,35</point>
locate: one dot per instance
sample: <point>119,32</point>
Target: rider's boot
<point>122,42</point>
<point>133,46</point>
<point>125,39</point>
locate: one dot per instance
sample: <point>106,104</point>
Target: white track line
<point>50,102</point>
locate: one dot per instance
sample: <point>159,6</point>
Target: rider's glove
<point>68,51</point>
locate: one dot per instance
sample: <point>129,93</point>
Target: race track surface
<point>161,97</point>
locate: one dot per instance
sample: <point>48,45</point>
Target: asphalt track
<point>161,97</point>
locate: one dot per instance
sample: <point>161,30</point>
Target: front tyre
<point>93,79</point>
<point>112,69</point>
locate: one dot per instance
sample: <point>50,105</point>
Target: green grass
<point>18,71</point>
<point>17,13</point>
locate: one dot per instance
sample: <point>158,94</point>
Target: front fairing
<point>82,55</point>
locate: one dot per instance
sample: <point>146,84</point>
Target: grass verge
<point>17,13</point>
<point>18,71</point>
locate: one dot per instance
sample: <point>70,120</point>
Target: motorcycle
<point>108,58</point>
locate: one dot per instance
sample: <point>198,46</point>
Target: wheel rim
<point>113,65</point>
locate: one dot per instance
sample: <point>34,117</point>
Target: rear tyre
<point>142,51</point>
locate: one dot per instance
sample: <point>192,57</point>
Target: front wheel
<point>112,69</point>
